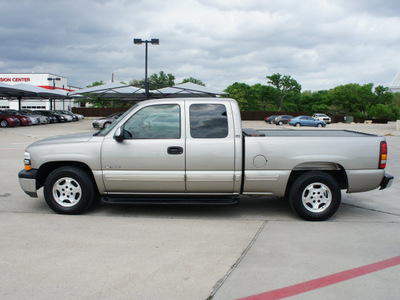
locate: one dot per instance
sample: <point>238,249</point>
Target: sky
<point>319,43</point>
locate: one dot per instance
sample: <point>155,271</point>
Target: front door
<point>151,158</point>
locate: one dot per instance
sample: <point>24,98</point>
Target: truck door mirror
<point>119,134</point>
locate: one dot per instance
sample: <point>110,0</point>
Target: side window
<point>208,121</point>
<point>155,122</point>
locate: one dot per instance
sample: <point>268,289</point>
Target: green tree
<point>96,83</point>
<point>265,96</point>
<point>156,81</point>
<point>243,94</point>
<point>285,86</point>
<point>384,96</point>
<point>193,80</point>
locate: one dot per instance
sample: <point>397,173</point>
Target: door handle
<point>175,150</point>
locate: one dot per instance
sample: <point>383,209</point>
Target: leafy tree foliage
<point>193,80</point>
<point>243,94</point>
<point>285,85</point>
<point>156,81</point>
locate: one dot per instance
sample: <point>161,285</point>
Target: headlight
<point>27,161</point>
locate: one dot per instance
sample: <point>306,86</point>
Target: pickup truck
<point>194,150</point>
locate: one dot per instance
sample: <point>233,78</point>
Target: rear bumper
<point>27,181</point>
<point>386,181</point>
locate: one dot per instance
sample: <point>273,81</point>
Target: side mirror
<point>119,134</point>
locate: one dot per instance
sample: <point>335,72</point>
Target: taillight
<point>383,155</point>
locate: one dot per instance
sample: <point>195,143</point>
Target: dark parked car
<point>306,121</point>
<point>270,119</point>
<point>53,118</point>
<point>106,121</point>
<point>280,120</point>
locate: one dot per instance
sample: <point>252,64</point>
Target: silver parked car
<point>106,121</point>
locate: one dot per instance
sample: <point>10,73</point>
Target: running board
<point>170,200</point>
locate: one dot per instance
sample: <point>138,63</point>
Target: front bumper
<point>27,181</point>
<point>386,181</point>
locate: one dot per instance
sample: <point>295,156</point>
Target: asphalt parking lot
<point>258,248</point>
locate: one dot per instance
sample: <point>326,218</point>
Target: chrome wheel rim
<point>67,192</point>
<point>317,197</point>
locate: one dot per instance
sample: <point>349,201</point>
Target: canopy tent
<point>188,89</point>
<point>112,90</point>
<point>23,90</point>
<point>127,92</point>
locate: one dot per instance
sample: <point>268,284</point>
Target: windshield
<point>106,130</point>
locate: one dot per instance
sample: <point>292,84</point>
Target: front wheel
<point>3,123</point>
<point>315,196</point>
<point>69,190</point>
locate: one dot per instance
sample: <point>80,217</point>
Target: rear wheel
<point>69,190</point>
<point>106,124</point>
<point>315,196</point>
<point>298,124</point>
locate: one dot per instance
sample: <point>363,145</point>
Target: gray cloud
<point>321,44</point>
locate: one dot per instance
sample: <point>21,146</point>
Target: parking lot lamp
<point>139,42</point>
<point>54,81</point>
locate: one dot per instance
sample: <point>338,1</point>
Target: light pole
<point>139,42</point>
<point>54,87</point>
<point>54,81</point>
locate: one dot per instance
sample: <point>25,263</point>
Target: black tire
<point>106,124</point>
<point>69,190</point>
<point>3,123</point>
<point>315,196</point>
<point>280,123</point>
<point>319,125</point>
<point>298,124</point>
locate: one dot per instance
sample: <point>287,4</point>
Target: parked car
<point>8,121</point>
<point>34,119</point>
<point>106,121</point>
<point>280,120</point>
<point>76,117</point>
<point>67,117</point>
<point>22,120</point>
<point>322,117</point>
<point>52,117</point>
<point>306,121</point>
<point>270,119</point>
<point>30,113</point>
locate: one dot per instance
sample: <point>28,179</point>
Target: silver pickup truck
<point>195,151</point>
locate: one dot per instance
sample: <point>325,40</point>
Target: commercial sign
<point>15,79</point>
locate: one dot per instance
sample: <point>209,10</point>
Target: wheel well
<point>339,175</point>
<point>47,168</point>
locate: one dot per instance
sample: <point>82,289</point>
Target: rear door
<point>210,147</point>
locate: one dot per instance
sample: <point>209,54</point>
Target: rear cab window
<point>208,121</point>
